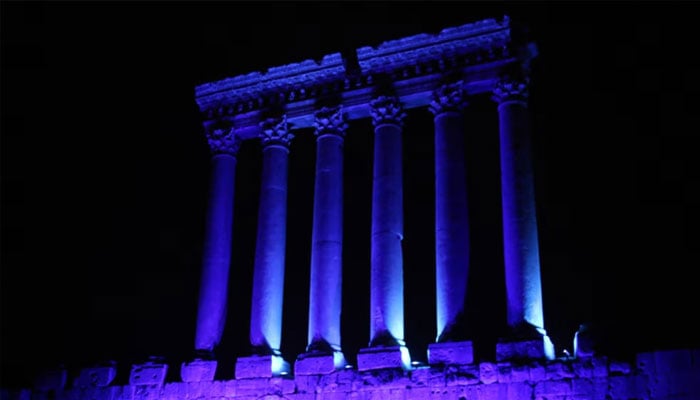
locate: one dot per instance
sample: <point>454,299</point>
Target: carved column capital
<point>330,121</point>
<point>448,98</point>
<point>275,131</point>
<point>510,89</point>
<point>222,139</point>
<point>386,110</point>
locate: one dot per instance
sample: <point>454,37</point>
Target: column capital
<point>448,98</point>
<point>510,89</point>
<point>222,138</point>
<point>275,131</point>
<point>386,110</point>
<point>330,121</point>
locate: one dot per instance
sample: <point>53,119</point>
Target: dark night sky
<point>105,176</point>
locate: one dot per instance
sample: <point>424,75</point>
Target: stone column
<point>527,338</point>
<point>451,227</point>
<point>268,278</point>
<point>387,347</point>
<point>323,351</point>
<point>213,293</point>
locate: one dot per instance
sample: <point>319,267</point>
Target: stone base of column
<point>447,353</point>
<point>150,373</point>
<point>99,376</point>
<point>261,367</point>
<point>318,363</point>
<point>383,357</point>
<point>198,371</point>
<point>525,349</point>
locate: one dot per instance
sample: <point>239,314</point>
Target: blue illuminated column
<point>213,293</point>
<point>521,250</point>
<point>451,213</point>
<point>327,236</point>
<point>386,299</point>
<point>268,278</point>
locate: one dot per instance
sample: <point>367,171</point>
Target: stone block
<point>198,371</point>
<point>54,379</point>
<point>519,373</point>
<point>488,372</point>
<point>451,353</point>
<point>672,360</point>
<point>261,367</point>
<point>95,376</point>
<point>148,373</point>
<point>504,372</point>
<point>383,357</point>
<point>646,363</point>
<point>600,366</point>
<point>537,372</point>
<point>517,391</point>
<point>535,349</point>
<point>559,370</point>
<point>619,367</point>
<point>553,388</point>
<point>314,364</point>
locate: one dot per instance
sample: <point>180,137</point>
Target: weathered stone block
<point>261,367</point>
<point>619,367</point>
<point>549,388</point>
<point>95,377</point>
<point>314,364</point>
<point>646,363</point>
<point>537,372</point>
<point>600,366</point>
<point>198,371</point>
<point>488,372</point>
<point>519,373</point>
<point>451,353</point>
<point>148,373</point>
<point>535,349</point>
<point>504,372</point>
<point>383,357</point>
<point>559,370</point>
<point>678,360</point>
<point>518,391</point>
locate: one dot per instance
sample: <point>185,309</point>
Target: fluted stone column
<point>268,276</point>
<point>521,251</point>
<point>387,345</point>
<point>213,293</point>
<point>324,351</point>
<point>452,247</point>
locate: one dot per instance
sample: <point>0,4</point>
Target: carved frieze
<point>452,49</point>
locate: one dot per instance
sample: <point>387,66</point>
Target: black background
<point>105,176</point>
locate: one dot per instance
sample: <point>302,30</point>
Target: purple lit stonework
<point>441,72</point>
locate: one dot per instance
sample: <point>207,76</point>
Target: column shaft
<point>325,297</point>
<point>451,213</point>
<point>268,279</point>
<point>213,294</point>
<point>521,250</point>
<point>386,303</point>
